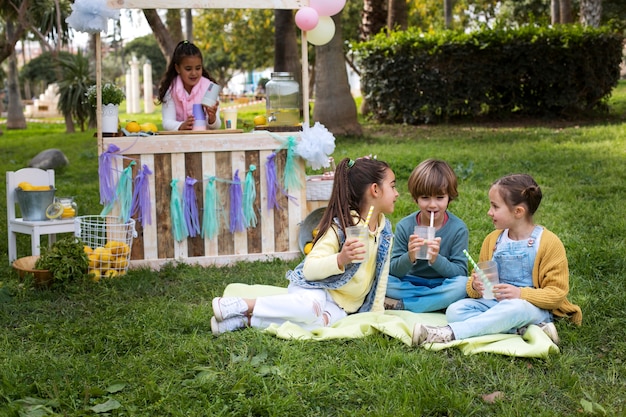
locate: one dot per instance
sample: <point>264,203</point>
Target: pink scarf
<point>184,101</point>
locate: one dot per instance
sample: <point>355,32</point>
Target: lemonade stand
<point>212,165</point>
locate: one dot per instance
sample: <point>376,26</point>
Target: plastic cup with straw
<point>479,271</point>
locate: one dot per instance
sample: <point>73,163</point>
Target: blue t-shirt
<point>451,262</point>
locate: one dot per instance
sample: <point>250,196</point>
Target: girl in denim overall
<point>532,265</point>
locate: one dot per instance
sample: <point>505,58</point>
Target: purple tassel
<point>272,183</point>
<point>190,207</point>
<point>141,196</point>
<point>237,221</point>
<point>105,170</point>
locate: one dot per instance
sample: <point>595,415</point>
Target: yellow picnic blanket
<point>399,325</point>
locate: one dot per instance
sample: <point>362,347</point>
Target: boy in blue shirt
<point>429,285</point>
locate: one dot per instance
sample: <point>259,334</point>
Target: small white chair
<point>35,229</point>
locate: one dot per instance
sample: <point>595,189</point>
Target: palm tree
<point>334,105</point>
<point>590,12</point>
<point>73,88</point>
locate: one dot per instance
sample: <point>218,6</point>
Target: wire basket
<point>319,187</point>
<point>108,244</point>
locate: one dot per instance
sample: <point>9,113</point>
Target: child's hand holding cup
<point>427,233</point>
<point>359,233</point>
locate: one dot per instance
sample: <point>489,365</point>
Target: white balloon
<point>323,32</point>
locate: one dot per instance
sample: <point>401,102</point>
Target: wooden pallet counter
<point>214,154</point>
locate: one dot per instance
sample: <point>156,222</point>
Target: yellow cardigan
<point>550,276</point>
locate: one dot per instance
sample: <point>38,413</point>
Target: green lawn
<point>141,345</point>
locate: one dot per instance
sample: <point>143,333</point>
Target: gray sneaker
<point>393,304</point>
<point>550,330</point>
<point>227,307</point>
<point>228,325</point>
<point>423,334</point>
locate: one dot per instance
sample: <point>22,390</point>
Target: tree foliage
<point>235,39</point>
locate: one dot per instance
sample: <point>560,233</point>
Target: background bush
<point>412,77</point>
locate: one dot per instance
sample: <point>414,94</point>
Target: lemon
<point>133,127</point>
<point>259,120</point>
<point>87,249</point>
<point>54,210</point>
<point>95,275</point>
<point>148,127</point>
<point>314,232</point>
<point>111,273</point>
<point>26,186</point>
<point>308,247</point>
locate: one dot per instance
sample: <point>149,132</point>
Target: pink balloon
<point>327,7</point>
<point>307,18</point>
<point>322,33</point>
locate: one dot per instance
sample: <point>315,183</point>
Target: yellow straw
<point>369,215</point>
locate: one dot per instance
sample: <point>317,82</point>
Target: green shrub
<point>412,77</point>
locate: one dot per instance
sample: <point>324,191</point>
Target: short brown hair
<point>433,177</point>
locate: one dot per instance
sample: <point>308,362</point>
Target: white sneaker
<point>550,330</point>
<point>431,334</point>
<point>228,325</point>
<point>227,307</point>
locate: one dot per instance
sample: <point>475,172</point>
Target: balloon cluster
<point>316,20</point>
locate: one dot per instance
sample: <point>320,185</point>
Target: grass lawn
<point>142,346</point>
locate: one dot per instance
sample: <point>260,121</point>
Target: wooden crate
<point>219,154</point>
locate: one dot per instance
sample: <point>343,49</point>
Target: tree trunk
<point>397,18</point>
<point>286,54</point>
<point>334,105</point>
<point>163,37</point>
<point>566,11</point>
<point>590,12</point>
<point>174,24</point>
<point>447,13</point>
<point>374,18</point>
<point>555,15</point>
<point>15,110</point>
<point>189,25</point>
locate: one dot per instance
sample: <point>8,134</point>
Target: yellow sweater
<point>550,276</point>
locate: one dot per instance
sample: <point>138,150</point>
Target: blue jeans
<point>479,316</point>
<point>422,295</point>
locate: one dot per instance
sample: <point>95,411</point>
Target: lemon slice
<point>54,210</point>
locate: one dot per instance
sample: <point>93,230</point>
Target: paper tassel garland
<point>210,219</point>
<point>141,196</point>
<point>190,207</point>
<point>236,209</point>
<point>176,211</point>
<point>249,195</point>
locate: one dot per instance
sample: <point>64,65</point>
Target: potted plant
<point>64,261</point>
<point>112,96</point>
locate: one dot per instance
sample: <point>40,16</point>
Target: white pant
<point>302,306</point>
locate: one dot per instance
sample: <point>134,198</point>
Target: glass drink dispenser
<point>283,100</point>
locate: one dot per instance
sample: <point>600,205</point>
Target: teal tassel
<point>176,211</point>
<point>123,195</point>
<point>249,195</point>
<point>210,219</point>
<point>291,179</point>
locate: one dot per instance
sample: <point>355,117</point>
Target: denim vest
<point>296,276</point>
<point>516,259</point>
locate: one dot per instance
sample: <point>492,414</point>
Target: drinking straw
<point>479,271</point>
<point>369,215</point>
<point>432,219</point>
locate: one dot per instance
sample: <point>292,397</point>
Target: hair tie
<point>350,163</point>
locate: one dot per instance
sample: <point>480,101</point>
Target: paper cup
<point>230,118</point>
<point>211,95</point>
<point>198,112</point>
